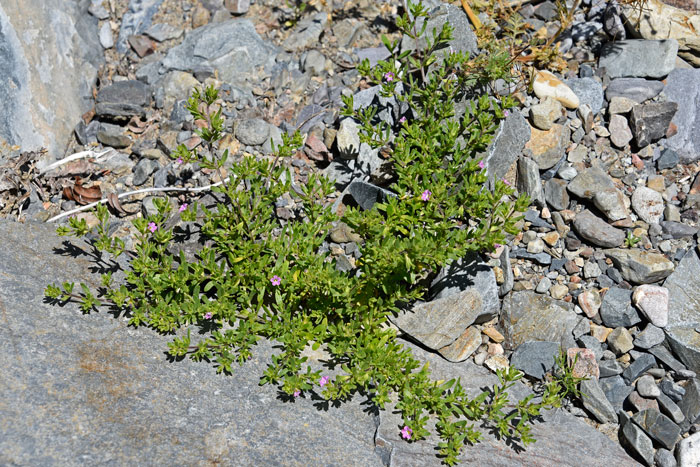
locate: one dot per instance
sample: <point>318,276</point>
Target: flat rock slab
<point>88,390</point>
<point>684,311</point>
<point>638,58</point>
<point>684,88</point>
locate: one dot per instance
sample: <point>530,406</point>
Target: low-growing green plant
<point>631,240</point>
<point>262,277</point>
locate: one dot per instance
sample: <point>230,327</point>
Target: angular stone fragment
<point>658,426</point>
<point>583,362</point>
<point>635,89</point>
<point>684,89</point>
<point>638,367</point>
<point>463,294</point>
<point>463,347</point>
<point>616,390</point>
<point>548,85</point>
<point>529,180</point>
<point>529,316</point>
<point>639,442</point>
<point>684,311</point>
<point>649,122</point>
<point>639,58</point>
<point>620,341</point>
<point>640,267</point>
<point>597,231</point>
<point>123,99</point>
<point>620,133</point>
<point>555,194</point>
<point>596,403</point>
<point>544,114</point>
<point>590,181</point>
<point>652,301</point>
<point>611,202</point>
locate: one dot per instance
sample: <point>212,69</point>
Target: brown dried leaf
<point>113,201</point>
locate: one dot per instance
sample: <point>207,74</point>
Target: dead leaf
<point>113,201</point>
<point>82,195</point>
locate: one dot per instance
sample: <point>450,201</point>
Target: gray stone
<point>113,136</point>
<point>347,139</point>
<point>232,48</point>
<point>616,391</point>
<point>664,458</point>
<point>668,160</point>
<point>237,7</point>
<point>635,89</point>
<point>670,408</point>
<point>663,355</point>
<point>646,387</point>
<point>658,426</point>
<point>678,229</point>
<point>529,316</point>
<point>640,267</point>
<point>253,131</point>
<point>50,54</point>
<point>548,148</point>
<point>98,10</point>
<point>621,105</point>
<point>136,20</point>
<point>590,342</point>
<point>638,442</point>
<point>529,180</point>
<point>535,358</point>
<point>106,36</point>
<point>544,114</point>
<point>555,194</point>
<point>684,310</point>
<point>123,99</point>
<point>306,32</point>
<point>507,284</point>
<point>163,32</point>
<point>596,403</point>
<point>106,383</point>
<point>611,202</point>
<point>651,336</point>
<point>609,368</point>
<point>506,146</point>
<point>689,451</point>
<point>620,133</point>
<point>464,293</point>
<point>367,195</point>
<point>314,62</point>
<point>143,169</point>
<point>639,367</point>
<point>648,204</point>
<point>639,58</point>
<point>589,91</point>
<point>683,88</point>
<point>464,39</point>
<point>541,258</point>
<point>649,122</point>
<point>589,182</point>
<point>558,433</point>
<point>620,341</point>
<point>597,231</point>
<point>616,310</point>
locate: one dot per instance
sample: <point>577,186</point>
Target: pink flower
<point>183,206</point>
<point>506,182</point>
<point>402,119</point>
<point>481,164</point>
<point>497,245</point>
<point>426,195</point>
<point>297,393</point>
<point>208,315</point>
<point>179,160</point>
<point>276,280</point>
<point>406,432</point>
<point>323,381</point>
<point>389,76</point>
<point>506,113</point>
<point>152,227</point>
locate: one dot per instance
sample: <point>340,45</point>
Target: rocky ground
<point>606,267</point>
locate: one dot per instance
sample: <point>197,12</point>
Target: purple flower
<point>179,160</point>
<point>389,76</point>
<point>426,195</point>
<point>506,182</point>
<point>183,206</point>
<point>402,119</point>
<point>152,227</point>
<point>481,164</point>
<point>406,432</point>
<point>497,245</point>
<point>297,393</point>
<point>276,280</point>
<point>506,113</point>
<point>324,380</point>
<point>208,315</point>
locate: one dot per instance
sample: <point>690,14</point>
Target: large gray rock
<point>529,316</point>
<point>558,435</point>
<point>49,56</point>
<point>464,40</point>
<point>589,182</point>
<point>639,58</point>
<point>464,293</point>
<point>597,231</point>
<point>683,88</point>
<point>233,48</point>
<point>684,311</point>
<point>79,389</point>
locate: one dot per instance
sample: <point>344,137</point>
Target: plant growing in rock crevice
<point>260,277</point>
